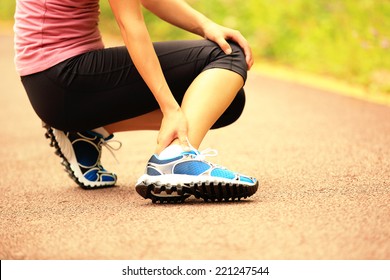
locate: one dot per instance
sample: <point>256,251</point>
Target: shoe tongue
<point>175,150</point>
<point>102,133</point>
<point>104,136</point>
<point>191,152</point>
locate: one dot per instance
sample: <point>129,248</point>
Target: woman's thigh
<point>103,86</point>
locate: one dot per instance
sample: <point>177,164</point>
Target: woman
<point>85,93</point>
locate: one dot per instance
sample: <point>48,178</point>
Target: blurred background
<point>322,159</point>
<point>344,39</point>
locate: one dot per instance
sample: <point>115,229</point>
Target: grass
<point>345,39</point>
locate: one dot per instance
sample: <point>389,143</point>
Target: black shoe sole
<point>53,143</point>
<point>206,191</point>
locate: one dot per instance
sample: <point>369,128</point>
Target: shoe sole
<point>67,166</point>
<point>208,191</point>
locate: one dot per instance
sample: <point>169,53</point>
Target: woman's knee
<point>239,59</point>
<point>234,62</point>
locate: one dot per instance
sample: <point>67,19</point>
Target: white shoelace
<point>108,145</point>
<point>209,152</point>
<point>206,153</point>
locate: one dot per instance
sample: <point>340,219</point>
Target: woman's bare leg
<point>149,121</point>
<point>206,99</point>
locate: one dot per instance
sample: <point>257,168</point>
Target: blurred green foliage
<point>347,39</point>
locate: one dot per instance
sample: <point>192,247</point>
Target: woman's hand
<point>173,126</point>
<point>220,34</point>
<point>182,15</point>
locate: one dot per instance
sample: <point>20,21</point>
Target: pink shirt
<point>50,31</point>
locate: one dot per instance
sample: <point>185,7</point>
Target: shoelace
<point>66,147</point>
<point>110,148</point>
<point>201,155</point>
<point>209,152</point>
<point>206,153</point>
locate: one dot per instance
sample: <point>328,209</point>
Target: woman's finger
<point>224,45</point>
<point>243,43</point>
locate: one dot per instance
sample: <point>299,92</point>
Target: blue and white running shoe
<point>81,153</point>
<point>175,179</point>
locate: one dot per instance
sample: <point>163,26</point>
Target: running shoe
<point>81,153</point>
<point>174,180</point>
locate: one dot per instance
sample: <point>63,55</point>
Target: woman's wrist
<point>170,108</point>
<point>166,100</point>
<point>204,26</point>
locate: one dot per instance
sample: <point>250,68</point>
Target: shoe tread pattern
<point>209,192</point>
<point>53,143</point>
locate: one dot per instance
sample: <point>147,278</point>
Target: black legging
<point>102,87</point>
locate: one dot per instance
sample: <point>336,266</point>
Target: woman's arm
<point>137,40</point>
<point>180,14</point>
<point>129,16</point>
